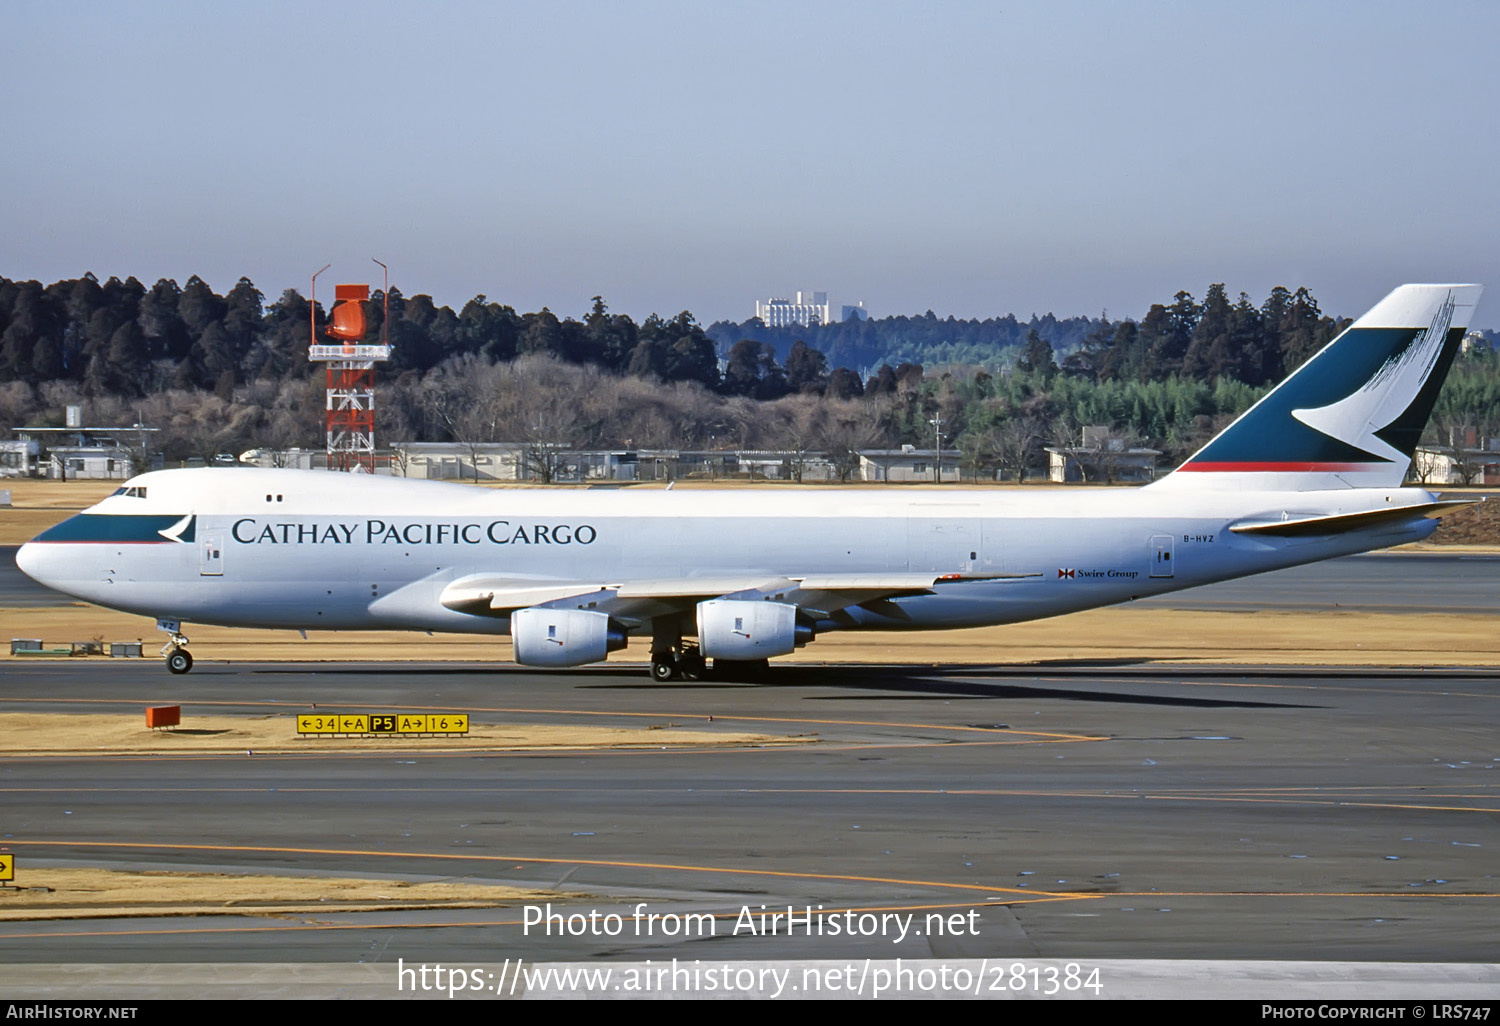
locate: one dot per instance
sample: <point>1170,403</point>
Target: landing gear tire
<point>175,650</point>
<point>683,662</point>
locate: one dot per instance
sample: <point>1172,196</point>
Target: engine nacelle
<point>562,637</point>
<point>746,629</point>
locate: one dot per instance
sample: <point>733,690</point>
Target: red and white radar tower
<point>351,372</point>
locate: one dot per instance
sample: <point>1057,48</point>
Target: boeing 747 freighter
<point>1312,471</point>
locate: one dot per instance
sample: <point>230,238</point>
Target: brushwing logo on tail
<point>1354,412</point>
<point>1358,419</point>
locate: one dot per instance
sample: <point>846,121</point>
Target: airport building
<point>909,463</point>
<point>1105,461</point>
<point>1461,464</point>
<point>1101,459</point>
<point>79,452</point>
<point>20,457</point>
<point>805,309</point>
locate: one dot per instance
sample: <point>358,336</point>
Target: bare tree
<point>1463,437</point>
<point>801,423</point>
<point>1064,435</point>
<point>1113,453</point>
<point>461,398</point>
<point>401,460</point>
<point>976,451</point>
<point>849,428</point>
<point>1017,444</point>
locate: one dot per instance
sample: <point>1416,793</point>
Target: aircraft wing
<point>821,596</point>
<point>492,595</point>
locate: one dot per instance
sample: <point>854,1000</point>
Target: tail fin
<point>1351,416</point>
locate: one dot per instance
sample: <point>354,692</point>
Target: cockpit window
<point>137,492</point>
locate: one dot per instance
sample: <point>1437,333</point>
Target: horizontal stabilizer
<point>1297,526</point>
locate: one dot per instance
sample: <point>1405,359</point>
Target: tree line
<point>122,337</point>
<point>229,372</point>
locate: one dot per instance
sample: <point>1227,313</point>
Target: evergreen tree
<point>752,371</point>
<point>1172,335</point>
<point>286,338</point>
<point>124,358</point>
<point>543,335</point>
<point>166,334</point>
<point>44,364</point>
<point>1037,358</point>
<point>844,383</point>
<point>648,359</point>
<point>199,306</point>
<point>213,354</point>
<point>1299,329</point>
<point>1272,315</point>
<point>244,316</point>
<point>1207,346</point>
<point>883,383</point>
<point>690,352</point>
<point>806,369</point>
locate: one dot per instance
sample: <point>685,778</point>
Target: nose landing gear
<point>179,659</point>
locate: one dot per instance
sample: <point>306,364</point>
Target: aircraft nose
<point>29,560</point>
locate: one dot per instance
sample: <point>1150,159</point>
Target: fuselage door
<point>944,538</point>
<point>1161,555</point>
<point>211,555</point>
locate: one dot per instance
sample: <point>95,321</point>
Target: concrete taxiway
<point>1101,813</point>
<point>1041,813</point>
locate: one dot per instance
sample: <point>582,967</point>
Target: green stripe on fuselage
<point>106,527</point>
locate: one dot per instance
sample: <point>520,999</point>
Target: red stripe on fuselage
<point>1278,468</point>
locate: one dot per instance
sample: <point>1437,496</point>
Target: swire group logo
<point>1061,573</point>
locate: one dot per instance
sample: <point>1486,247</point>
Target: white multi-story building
<point>808,308</point>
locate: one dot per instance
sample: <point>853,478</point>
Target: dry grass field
<point>44,735</point>
<point>54,892</point>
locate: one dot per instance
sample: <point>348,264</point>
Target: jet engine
<point>734,629</point>
<point>563,637</point>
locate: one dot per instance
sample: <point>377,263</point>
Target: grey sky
<point>970,158</point>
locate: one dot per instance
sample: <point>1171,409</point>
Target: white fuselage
<point>307,550</point>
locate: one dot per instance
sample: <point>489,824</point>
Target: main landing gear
<point>685,662</point>
<point>681,661</point>
<point>179,659</point>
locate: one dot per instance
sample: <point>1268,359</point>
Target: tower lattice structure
<point>350,365</point>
